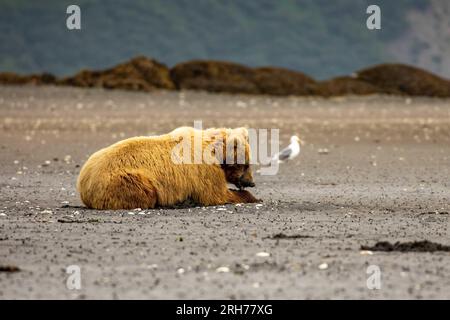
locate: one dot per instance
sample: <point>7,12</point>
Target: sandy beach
<point>373,168</point>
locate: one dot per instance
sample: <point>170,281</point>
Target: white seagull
<point>290,152</point>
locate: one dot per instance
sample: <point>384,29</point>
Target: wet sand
<point>373,168</point>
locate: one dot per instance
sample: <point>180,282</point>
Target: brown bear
<point>146,172</point>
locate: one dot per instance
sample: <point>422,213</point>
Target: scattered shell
<point>323,266</point>
<point>323,151</point>
<point>366,252</point>
<point>241,104</point>
<point>180,271</point>
<point>222,269</point>
<point>263,254</point>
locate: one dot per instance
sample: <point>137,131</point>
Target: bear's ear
<point>237,148</point>
<point>218,142</point>
<point>241,132</point>
<point>218,149</point>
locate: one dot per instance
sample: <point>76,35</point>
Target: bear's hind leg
<point>130,190</point>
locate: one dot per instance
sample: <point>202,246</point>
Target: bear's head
<point>238,174</point>
<point>235,158</point>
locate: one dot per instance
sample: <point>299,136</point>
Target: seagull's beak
<point>300,141</point>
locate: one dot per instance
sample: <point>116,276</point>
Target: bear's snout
<point>251,184</point>
<point>246,183</point>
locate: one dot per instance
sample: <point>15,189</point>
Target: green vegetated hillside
<point>321,38</point>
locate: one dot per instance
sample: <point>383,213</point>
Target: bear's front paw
<point>245,197</point>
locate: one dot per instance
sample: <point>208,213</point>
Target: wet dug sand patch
<point>71,220</point>
<point>415,246</point>
<point>9,269</point>
<point>280,236</point>
<point>433,213</point>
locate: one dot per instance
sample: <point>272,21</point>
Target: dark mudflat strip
<point>9,269</point>
<point>415,246</point>
<point>280,236</point>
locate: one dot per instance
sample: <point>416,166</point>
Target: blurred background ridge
<point>320,38</point>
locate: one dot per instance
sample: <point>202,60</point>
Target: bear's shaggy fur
<point>140,172</point>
